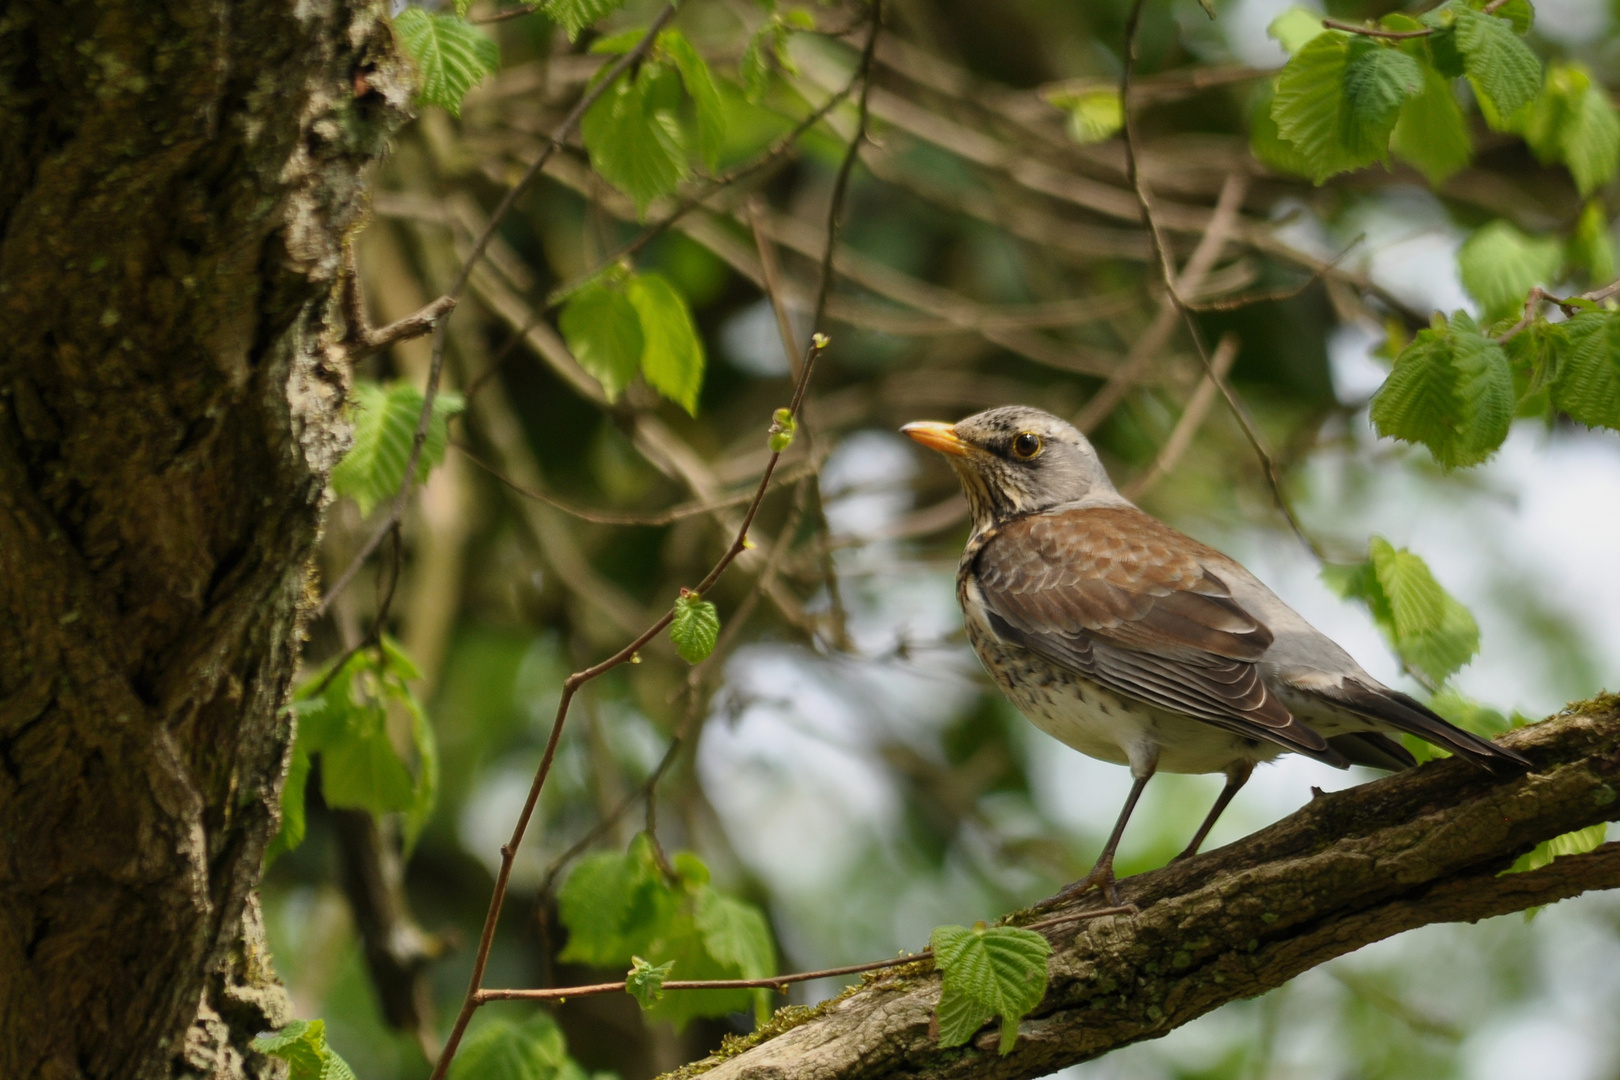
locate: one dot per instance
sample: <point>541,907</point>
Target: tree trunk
<point>176,182</point>
<point>1348,869</point>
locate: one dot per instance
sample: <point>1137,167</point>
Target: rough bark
<point>1348,869</point>
<point>178,180</point>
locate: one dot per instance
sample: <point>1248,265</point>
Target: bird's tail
<point>1407,714</point>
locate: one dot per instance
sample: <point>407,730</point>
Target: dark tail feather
<point>1412,716</point>
<point>1372,749</point>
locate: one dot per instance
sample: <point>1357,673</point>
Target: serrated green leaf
<point>1519,13</point>
<point>633,133</point>
<point>1338,98</point>
<point>576,16</point>
<point>645,982</point>
<point>1500,67</point>
<point>1432,133</point>
<point>1377,81</point>
<point>502,1050</point>
<point>384,428</point>
<point>1585,356</point>
<point>672,358</point>
<point>734,933</point>
<point>695,628</point>
<point>699,83</point>
<point>302,1044</point>
<point>1572,121</point>
<point>1295,28</point>
<point>1578,842</point>
<point>610,905</point>
<point>452,56</point>
<point>1499,265</point>
<point>1451,390</point>
<point>1001,970</point>
<point>1267,144</point>
<point>603,329</point>
<point>1430,629</point>
<point>425,748</point>
<point>1591,247</point>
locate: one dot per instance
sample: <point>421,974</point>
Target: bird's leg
<point>1102,874</point>
<point>1236,777</point>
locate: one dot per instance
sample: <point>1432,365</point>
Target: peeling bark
<point>1348,869</point>
<point>178,181</point>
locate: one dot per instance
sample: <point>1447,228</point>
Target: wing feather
<point>1125,600</point>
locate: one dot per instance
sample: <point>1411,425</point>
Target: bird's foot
<point>1101,878</point>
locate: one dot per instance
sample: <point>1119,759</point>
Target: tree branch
<point>1348,869</point>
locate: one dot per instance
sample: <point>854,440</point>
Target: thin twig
<point>598,517</point>
<point>779,983</point>
<point>1375,32</point>
<point>453,294</point>
<point>1537,296</point>
<point>1144,200</point>
<point>1191,419</point>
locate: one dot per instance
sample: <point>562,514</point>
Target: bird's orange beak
<point>937,436</point>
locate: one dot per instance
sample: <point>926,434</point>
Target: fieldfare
<point>1132,643</point>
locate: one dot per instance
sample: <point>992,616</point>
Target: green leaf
<point>1578,842</point>
<point>1377,81</point>
<point>700,87</point>
<point>1094,115</point>
<point>695,628</point>
<point>302,1045</point>
<point>1585,354</point>
<point>1499,265</point>
<point>1295,28</point>
<point>291,833</point>
<point>645,981</point>
<point>988,971</point>
<point>672,357</point>
<point>364,772</point>
<point>384,429</point>
<point>1574,122</point>
<point>1433,631</point>
<point>451,55</point>
<point>1592,246</point>
<point>576,16</point>
<point>613,905</point>
<point>603,329</point>
<point>1338,99</point>
<point>425,747</point>
<point>1451,390</point>
<point>1431,133</point>
<point>502,1050</point>
<point>1266,142</point>
<point>1500,67</point>
<point>633,133</point>
<point>734,933</point>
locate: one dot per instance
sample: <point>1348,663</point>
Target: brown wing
<point>1127,601</point>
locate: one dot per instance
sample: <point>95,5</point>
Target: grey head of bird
<point>1016,460</point>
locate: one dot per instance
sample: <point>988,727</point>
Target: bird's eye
<point>1026,444</point>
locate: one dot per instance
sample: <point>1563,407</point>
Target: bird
<point>1136,644</point>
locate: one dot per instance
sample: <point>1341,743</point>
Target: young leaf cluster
<point>384,428</point>
<point>624,324</point>
<point>1346,100</point>
<point>987,973</point>
<point>302,1045</point>
<point>1431,631</point>
<point>344,717</point>
<point>620,909</point>
<point>452,56</point>
<point>768,45</point>
<point>695,628</point>
<point>643,133</point>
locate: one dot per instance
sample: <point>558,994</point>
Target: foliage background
<point>855,776</point>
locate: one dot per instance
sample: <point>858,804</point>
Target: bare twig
<point>1537,296</point>
<point>1144,200</point>
<point>1376,32</point>
<point>436,365</point>
<point>1191,418</point>
<point>359,338</point>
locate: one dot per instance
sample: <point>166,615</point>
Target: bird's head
<point>1017,460</point>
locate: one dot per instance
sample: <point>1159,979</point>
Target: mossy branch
<point>1348,869</point>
